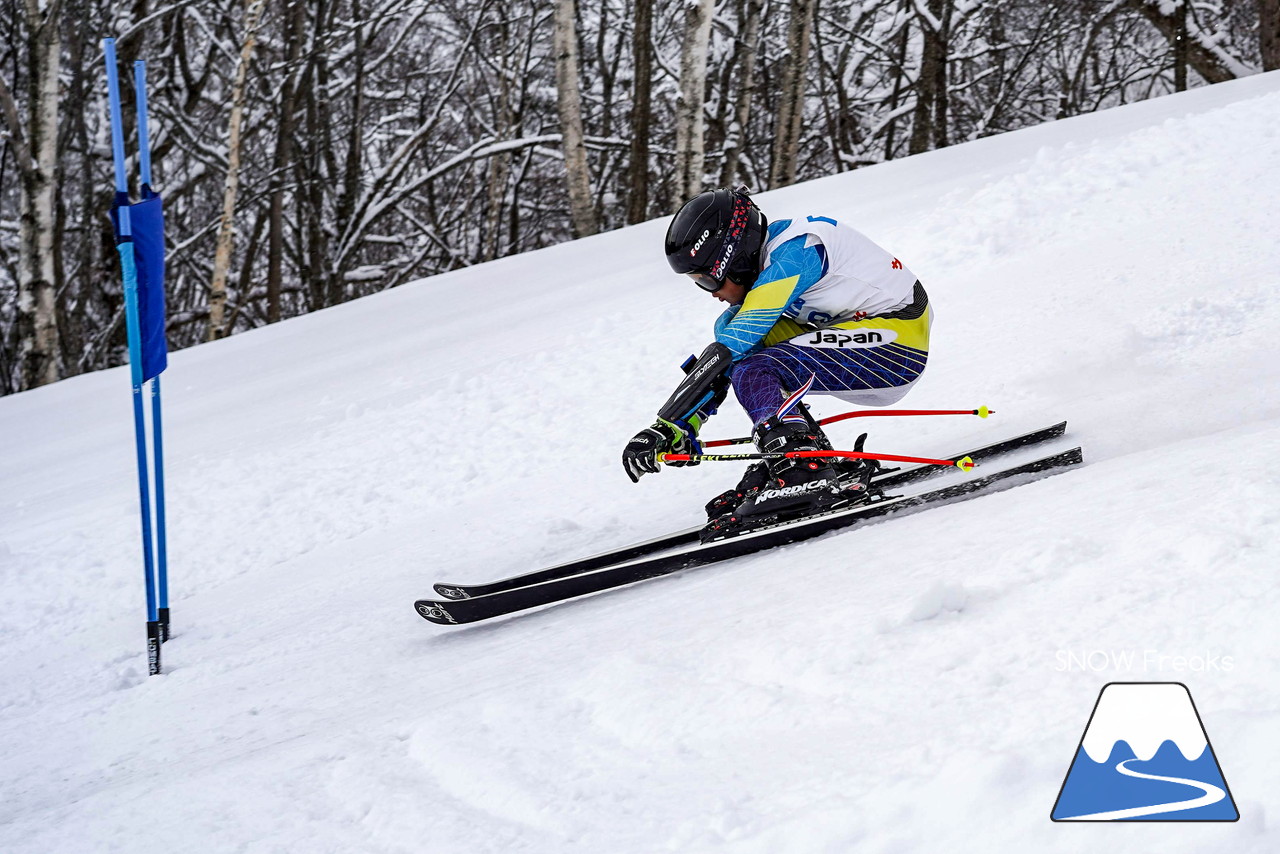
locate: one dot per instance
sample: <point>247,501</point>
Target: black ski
<point>450,612</point>
<point>891,480</point>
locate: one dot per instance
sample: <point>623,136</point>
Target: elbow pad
<point>705,385</point>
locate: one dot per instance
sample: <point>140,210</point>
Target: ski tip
<point>449,591</point>
<point>434,611</point>
<point>982,412</point>
<point>965,464</point>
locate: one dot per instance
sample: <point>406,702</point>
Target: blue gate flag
<point>146,220</point>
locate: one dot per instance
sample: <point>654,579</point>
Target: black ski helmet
<point>717,234</point>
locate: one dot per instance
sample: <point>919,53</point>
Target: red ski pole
<point>964,464</point>
<point>981,412</point>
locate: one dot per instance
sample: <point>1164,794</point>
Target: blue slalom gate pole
<point>162,564</point>
<point>140,371</point>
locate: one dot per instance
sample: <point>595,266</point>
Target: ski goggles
<point>706,282</point>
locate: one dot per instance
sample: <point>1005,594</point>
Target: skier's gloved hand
<point>640,457</point>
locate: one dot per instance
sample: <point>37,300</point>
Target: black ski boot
<point>794,487</point>
<point>795,484</point>
<point>728,502</point>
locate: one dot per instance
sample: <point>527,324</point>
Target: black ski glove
<point>640,457</point>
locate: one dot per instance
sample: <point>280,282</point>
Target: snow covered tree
<point>641,112</point>
<point>381,141</point>
<point>1269,33</point>
<point>791,100</point>
<point>1195,47</point>
<point>226,227</point>
<point>740,88</point>
<point>569,100</point>
<point>34,140</point>
<point>929,125</point>
<point>690,102</point>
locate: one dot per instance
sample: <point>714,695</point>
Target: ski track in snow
<point>1210,794</point>
<point>891,689</point>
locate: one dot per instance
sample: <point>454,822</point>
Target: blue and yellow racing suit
<point>830,304</point>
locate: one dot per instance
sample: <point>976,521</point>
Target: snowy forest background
<point>315,151</point>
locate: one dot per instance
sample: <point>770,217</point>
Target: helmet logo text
<point>698,245</point>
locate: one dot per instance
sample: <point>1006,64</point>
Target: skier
<point>813,305</point>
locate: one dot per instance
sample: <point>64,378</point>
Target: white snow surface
<point>906,686</point>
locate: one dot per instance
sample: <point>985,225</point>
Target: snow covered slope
<point>903,687</point>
